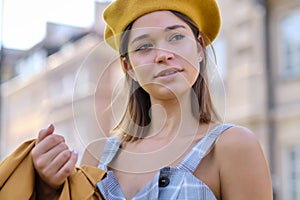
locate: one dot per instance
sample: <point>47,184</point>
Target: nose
<point>163,56</point>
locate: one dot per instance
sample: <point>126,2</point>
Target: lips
<point>168,72</point>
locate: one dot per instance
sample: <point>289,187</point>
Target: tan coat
<point>17,178</point>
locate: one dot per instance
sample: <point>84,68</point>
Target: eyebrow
<point>174,27</point>
<point>169,28</point>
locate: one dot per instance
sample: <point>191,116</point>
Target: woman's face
<point>163,54</point>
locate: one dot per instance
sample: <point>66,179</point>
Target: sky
<point>23,23</point>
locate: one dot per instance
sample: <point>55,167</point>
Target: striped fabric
<point>169,183</point>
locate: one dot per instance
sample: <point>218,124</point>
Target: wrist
<point>44,191</point>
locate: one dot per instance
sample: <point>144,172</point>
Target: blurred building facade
<point>284,46</point>
<point>259,53</point>
<point>39,86</point>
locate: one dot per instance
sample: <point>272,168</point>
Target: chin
<point>168,93</point>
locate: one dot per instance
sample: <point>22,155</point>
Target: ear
<point>127,68</point>
<point>200,46</point>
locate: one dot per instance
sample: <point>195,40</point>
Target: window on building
<point>82,86</point>
<point>31,64</point>
<point>294,173</point>
<point>221,54</point>
<point>290,44</point>
<point>218,75</point>
<point>67,85</point>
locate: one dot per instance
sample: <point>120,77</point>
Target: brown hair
<point>136,118</point>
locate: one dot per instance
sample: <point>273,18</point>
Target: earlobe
<point>127,68</point>
<point>199,58</point>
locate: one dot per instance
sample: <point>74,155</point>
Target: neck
<point>169,117</point>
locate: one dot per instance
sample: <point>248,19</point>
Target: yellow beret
<point>120,13</point>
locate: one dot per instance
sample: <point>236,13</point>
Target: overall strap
<point>191,161</point>
<point>111,147</point>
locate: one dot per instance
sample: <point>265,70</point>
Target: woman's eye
<point>176,37</point>
<point>144,47</point>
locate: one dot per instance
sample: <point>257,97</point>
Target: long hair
<point>135,121</point>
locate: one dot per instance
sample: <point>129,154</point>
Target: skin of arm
<point>244,172</point>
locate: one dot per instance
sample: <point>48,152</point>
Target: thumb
<point>45,132</point>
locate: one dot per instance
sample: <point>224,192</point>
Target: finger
<point>47,157</point>
<point>48,143</point>
<point>50,171</point>
<point>68,167</point>
<point>59,161</point>
<point>45,132</point>
<point>62,168</point>
<point>51,141</point>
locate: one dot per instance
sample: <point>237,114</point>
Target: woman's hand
<point>53,161</point>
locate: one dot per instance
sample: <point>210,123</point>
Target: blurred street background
<point>46,50</point>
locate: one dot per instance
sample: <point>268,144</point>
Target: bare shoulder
<point>238,137</point>
<point>92,153</point>
<point>239,145</point>
<point>244,171</point>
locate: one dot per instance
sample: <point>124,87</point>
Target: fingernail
<point>75,151</point>
<point>49,126</point>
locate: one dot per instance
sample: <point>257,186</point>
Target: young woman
<point>170,143</point>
